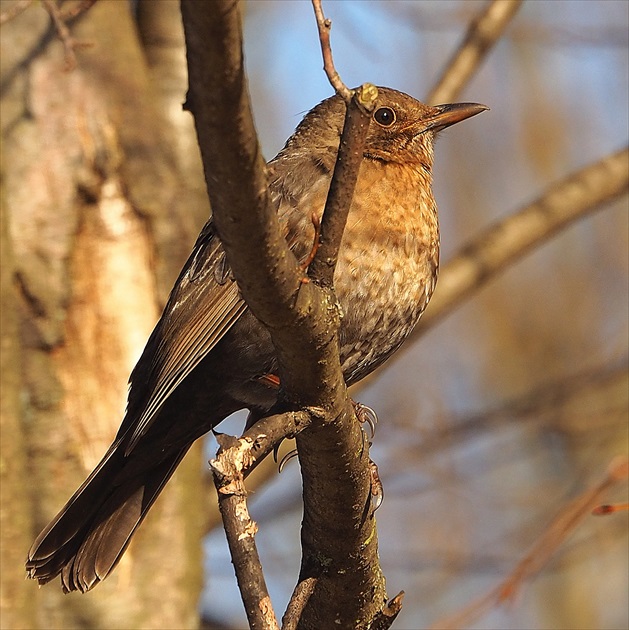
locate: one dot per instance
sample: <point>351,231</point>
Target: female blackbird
<point>208,355</point>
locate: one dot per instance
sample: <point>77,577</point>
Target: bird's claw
<point>290,455</point>
<point>366,415</point>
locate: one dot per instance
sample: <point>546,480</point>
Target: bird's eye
<point>384,116</point>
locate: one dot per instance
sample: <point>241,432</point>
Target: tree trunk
<point>93,233</point>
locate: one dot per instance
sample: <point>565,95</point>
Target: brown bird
<point>208,356</point>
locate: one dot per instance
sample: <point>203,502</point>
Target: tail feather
<point>87,538</point>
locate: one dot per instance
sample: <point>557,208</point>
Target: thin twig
<point>343,183</point>
<point>507,241</point>
<point>14,10</point>
<point>235,460</point>
<point>482,34</point>
<point>269,432</point>
<point>297,603</point>
<point>77,9</point>
<point>240,530</point>
<point>324,25</point>
<point>385,618</point>
<point>610,508</point>
<point>542,550</point>
<point>69,43</point>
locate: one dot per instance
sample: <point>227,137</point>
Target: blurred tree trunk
<point>93,234</point>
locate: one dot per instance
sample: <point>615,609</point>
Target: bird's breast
<point>387,266</point>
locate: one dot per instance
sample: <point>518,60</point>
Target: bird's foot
<point>366,415</point>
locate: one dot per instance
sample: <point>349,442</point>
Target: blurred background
<point>489,423</point>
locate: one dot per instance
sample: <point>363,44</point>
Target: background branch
<point>481,35</point>
<point>14,10</point>
<point>562,526</point>
<point>500,245</point>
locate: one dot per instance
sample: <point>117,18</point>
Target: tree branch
<point>324,25</point>
<point>14,10</point>
<point>385,618</point>
<point>301,594</point>
<point>59,20</point>
<point>235,460</point>
<point>482,34</point>
<point>343,182</point>
<point>339,541</point>
<point>569,517</point>
<point>509,240</point>
<point>240,530</point>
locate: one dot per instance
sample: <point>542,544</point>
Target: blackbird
<point>208,355</point>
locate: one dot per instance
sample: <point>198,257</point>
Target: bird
<point>208,356</point>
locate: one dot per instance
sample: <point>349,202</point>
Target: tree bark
<point>96,230</point>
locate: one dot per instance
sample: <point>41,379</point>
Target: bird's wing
<point>202,307</point>
<point>205,303</point>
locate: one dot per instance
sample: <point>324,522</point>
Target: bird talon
<point>290,455</point>
<point>366,415</point>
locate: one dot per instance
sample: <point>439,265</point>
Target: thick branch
<point>302,317</point>
<point>235,171</point>
<point>482,34</point>
<point>507,241</point>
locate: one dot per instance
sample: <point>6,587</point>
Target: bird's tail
<point>86,539</point>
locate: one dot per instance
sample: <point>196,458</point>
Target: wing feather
<point>202,307</point>
<point>205,303</point>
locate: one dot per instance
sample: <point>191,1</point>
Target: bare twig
<point>324,25</point>
<point>269,432</point>
<point>69,43</point>
<point>385,618</point>
<point>14,10</point>
<point>503,243</point>
<point>76,10</point>
<point>545,546</point>
<point>299,599</point>
<point>610,508</point>
<point>482,34</point>
<point>233,457</point>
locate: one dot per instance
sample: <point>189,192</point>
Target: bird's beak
<point>446,115</point>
